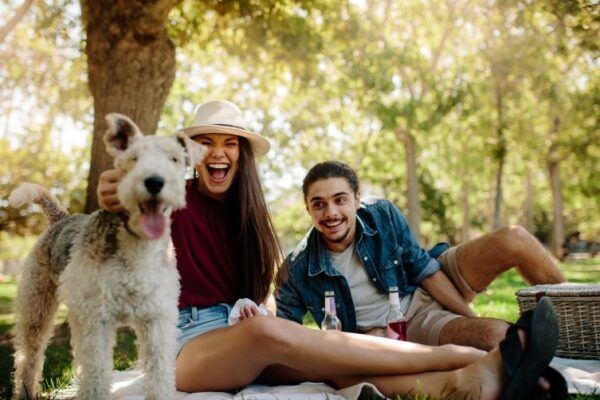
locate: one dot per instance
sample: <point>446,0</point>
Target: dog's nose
<point>154,184</point>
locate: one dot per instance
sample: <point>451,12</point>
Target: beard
<point>342,237</point>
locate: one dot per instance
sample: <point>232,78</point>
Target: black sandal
<point>558,386</point>
<point>524,366</point>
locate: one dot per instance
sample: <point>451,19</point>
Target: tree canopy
<point>468,114</point>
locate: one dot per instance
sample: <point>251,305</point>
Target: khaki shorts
<point>426,317</point>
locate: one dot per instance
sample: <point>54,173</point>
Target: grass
<point>498,301</point>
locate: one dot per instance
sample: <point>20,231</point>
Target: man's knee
<point>513,239</point>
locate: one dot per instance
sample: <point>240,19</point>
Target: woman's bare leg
<point>233,357</point>
<point>481,380</point>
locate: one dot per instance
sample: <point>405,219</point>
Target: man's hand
<point>107,190</point>
<point>444,292</point>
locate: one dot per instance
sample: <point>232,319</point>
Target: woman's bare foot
<point>484,379</point>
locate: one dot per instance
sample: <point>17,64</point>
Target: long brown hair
<point>257,244</point>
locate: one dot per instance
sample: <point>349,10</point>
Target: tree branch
<point>10,25</point>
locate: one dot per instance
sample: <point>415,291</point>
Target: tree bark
<point>10,25</point>
<point>131,67</point>
<point>465,232</point>
<point>557,234</point>
<point>528,202</point>
<point>500,156</point>
<point>412,182</point>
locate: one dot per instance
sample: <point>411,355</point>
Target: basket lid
<point>562,289</point>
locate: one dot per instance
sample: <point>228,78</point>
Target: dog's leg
<point>92,340</point>
<point>157,341</point>
<point>36,304</point>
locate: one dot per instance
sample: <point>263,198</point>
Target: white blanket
<point>128,385</point>
<point>583,376</point>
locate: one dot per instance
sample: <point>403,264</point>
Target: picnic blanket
<point>583,376</point>
<point>128,385</point>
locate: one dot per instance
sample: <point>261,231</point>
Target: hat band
<point>232,126</point>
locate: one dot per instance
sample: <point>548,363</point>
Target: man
<point>359,250</point>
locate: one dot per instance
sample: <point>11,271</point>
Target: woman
<point>227,249</point>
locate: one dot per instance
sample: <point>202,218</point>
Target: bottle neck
<point>394,299</point>
<point>330,305</point>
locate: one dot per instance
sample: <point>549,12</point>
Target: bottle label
<point>397,330</point>
<point>330,305</point>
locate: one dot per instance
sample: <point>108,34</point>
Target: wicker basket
<point>578,309</point>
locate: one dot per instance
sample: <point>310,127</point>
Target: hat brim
<point>260,145</point>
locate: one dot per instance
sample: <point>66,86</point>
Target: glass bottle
<point>396,325</point>
<point>330,322</point>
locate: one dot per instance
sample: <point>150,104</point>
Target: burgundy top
<point>203,235</point>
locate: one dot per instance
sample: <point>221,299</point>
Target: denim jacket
<point>387,249</point>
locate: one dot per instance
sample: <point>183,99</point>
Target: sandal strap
<point>510,348</point>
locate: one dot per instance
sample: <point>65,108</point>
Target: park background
<point>467,114</point>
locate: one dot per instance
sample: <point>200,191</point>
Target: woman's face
<point>220,165</point>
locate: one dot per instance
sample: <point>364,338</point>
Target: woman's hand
<point>107,190</point>
<point>249,311</point>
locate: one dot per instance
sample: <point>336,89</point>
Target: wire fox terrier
<point>109,269</point>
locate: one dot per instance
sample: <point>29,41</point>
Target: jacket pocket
<point>392,272</point>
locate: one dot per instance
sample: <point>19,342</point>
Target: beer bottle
<point>330,322</point>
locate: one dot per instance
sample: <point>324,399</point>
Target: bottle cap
<point>329,293</point>
<point>393,289</point>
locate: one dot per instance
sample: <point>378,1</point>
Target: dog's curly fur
<point>109,269</point>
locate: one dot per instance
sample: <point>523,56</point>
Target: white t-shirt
<point>371,307</point>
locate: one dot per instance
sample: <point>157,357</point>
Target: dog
<point>109,269</point>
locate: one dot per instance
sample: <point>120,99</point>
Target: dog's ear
<point>120,134</point>
<point>194,151</point>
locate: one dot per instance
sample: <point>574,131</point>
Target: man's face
<point>332,206</point>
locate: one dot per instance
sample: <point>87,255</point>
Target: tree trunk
<point>528,202</point>
<point>131,67</point>
<point>412,182</point>
<point>500,156</point>
<point>465,231</point>
<point>557,234</point>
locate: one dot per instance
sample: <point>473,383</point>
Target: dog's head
<point>154,173</point>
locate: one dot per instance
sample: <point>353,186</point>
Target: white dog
<point>109,269</point>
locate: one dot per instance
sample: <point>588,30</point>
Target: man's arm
<point>289,303</point>
<point>443,291</point>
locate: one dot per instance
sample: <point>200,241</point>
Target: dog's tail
<point>34,193</point>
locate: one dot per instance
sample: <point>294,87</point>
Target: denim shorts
<point>194,321</point>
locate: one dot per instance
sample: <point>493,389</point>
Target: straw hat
<point>220,116</point>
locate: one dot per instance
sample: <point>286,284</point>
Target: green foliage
<point>332,80</point>
<point>51,167</point>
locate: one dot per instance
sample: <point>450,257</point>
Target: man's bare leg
<point>481,260</point>
<point>484,333</point>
